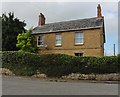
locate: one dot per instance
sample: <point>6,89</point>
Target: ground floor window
<point>78,54</point>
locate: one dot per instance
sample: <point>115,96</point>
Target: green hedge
<point>57,65</point>
<point>20,63</point>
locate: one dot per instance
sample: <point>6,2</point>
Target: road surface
<point>28,86</point>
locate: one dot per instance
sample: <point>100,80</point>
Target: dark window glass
<point>78,54</point>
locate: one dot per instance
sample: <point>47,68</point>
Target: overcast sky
<point>65,11</point>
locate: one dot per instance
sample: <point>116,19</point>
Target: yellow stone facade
<point>93,43</point>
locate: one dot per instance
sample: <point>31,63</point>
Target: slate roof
<point>70,25</point>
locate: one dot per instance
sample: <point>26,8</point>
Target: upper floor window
<point>40,40</point>
<point>58,40</point>
<point>79,38</point>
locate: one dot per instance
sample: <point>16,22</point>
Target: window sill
<point>58,45</point>
<point>80,44</point>
<point>40,45</point>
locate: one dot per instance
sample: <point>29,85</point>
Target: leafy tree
<point>11,27</point>
<point>25,41</point>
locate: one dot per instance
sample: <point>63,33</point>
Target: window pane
<point>79,35</point>
<point>58,39</point>
<point>78,38</point>
<point>40,41</point>
<point>58,42</point>
<point>78,54</point>
<point>58,36</point>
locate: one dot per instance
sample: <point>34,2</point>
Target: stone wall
<point>93,43</point>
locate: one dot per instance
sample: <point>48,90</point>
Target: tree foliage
<point>25,41</point>
<point>11,27</point>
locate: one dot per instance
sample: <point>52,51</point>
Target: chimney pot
<point>99,14</point>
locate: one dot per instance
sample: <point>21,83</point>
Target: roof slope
<point>70,25</point>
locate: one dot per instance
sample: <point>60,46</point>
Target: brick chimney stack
<point>99,14</point>
<point>41,20</point>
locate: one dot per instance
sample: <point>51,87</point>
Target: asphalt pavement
<point>28,86</point>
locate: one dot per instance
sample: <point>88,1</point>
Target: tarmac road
<point>27,86</point>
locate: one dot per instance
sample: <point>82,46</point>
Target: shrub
<point>20,63</point>
<point>57,65</point>
<point>25,41</point>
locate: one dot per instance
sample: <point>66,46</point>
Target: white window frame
<point>42,40</point>
<point>58,38</point>
<point>79,37</point>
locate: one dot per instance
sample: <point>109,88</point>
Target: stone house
<point>82,37</point>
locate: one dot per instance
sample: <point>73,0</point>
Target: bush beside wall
<point>57,65</point>
<point>20,63</point>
